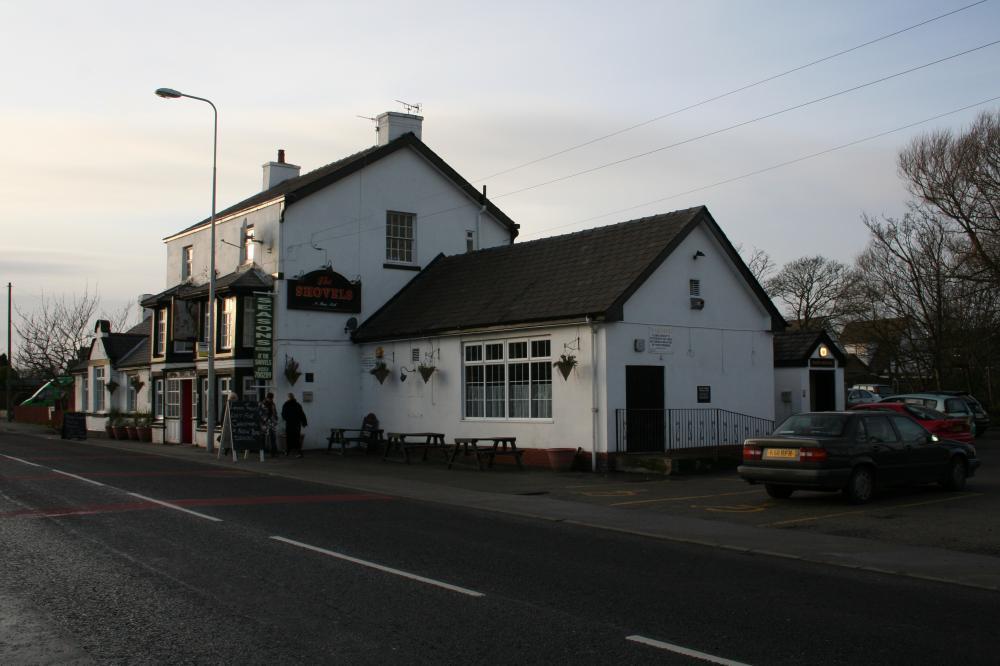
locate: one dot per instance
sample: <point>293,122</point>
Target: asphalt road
<point>120,557</point>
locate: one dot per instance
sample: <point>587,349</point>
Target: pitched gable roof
<point>585,274</point>
<point>794,348</point>
<point>295,189</point>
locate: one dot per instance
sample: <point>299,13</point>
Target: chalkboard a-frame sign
<point>241,429</point>
<point>74,425</point>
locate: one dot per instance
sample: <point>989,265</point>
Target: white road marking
<point>176,508</point>
<point>77,477</point>
<point>684,651</point>
<point>379,567</point>
<point>21,460</point>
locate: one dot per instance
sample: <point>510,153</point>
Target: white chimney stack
<point>280,171</point>
<point>392,125</point>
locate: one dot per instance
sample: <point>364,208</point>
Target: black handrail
<point>661,430</point>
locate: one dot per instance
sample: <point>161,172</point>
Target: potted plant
<point>566,363</point>
<point>292,373</point>
<point>561,460</point>
<point>132,426</point>
<point>113,415</point>
<point>426,371</point>
<point>120,427</point>
<point>381,371</point>
<point>143,425</point>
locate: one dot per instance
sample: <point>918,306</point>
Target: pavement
<point>526,493</point>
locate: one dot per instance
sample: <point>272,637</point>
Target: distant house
<point>875,345</point>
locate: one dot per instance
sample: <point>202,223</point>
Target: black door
<point>822,391</point>
<point>645,425</point>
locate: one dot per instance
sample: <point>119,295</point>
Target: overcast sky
<point>95,170</point>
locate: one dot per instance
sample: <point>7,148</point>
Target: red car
<point>936,422</point>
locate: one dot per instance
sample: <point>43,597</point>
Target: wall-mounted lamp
<point>351,325</point>
<point>697,254</point>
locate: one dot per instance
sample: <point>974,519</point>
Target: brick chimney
<point>392,125</point>
<point>280,171</point>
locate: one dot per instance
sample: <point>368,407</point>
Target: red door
<point>186,434</point>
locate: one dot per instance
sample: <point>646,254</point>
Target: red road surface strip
<point>216,501</point>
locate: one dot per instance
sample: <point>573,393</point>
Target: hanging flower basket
<point>137,383</point>
<point>380,371</point>
<point>426,371</point>
<point>292,373</point>
<point>111,386</point>
<point>566,363</point>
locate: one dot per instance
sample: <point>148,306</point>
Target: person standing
<point>267,412</point>
<point>295,420</point>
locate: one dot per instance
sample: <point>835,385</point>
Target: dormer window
<point>187,262</point>
<point>399,228</point>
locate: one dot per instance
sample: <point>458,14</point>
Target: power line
<point>747,122</point>
<point>731,92</point>
<point>772,167</point>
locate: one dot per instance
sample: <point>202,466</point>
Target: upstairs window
<point>249,240</point>
<point>161,332</point>
<point>399,237</point>
<point>187,262</point>
<point>228,328</point>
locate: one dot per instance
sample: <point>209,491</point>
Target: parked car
<point>951,405</point>
<point>932,420</point>
<point>856,396</point>
<point>853,452</point>
<point>882,390</point>
<point>979,413</point>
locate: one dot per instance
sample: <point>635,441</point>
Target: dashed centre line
<point>175,507</point>
<point>21,460</point>
<point>381,567</point>
<point>80,478</point>
<point>687,652</point>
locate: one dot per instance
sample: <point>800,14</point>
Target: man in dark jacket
<point>294,419</point>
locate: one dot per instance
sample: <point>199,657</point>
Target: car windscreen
<point>925,413</point>
<point>814,425</point>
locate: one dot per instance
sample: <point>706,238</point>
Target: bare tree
<point>958,175</point>
<point>53,333</point>
<point>813,289</point>
<point>759,262</point>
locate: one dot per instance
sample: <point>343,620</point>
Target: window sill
<point>402,267</point>
<point>483,419</point>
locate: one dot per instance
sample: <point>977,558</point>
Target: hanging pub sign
<point>324,290</point>
<point>263,335</point>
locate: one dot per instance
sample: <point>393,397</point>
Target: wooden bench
<point>397,441</point>
<point>342,437</point>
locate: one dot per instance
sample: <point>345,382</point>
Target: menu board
<point>74,425</point>
<point>241,427</point>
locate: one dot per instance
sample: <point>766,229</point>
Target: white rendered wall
<point>795,381</point>
<point>728,345</point>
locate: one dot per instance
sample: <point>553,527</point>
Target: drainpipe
<point>595,412</point>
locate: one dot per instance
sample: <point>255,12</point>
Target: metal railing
<point>660,430</point>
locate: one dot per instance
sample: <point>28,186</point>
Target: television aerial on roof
<point>410,108</point>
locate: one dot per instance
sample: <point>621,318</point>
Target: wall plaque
<point>324,290</point>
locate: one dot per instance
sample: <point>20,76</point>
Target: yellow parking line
<point>690,497</point>
<point>631,484</point>
<point>857,511</point>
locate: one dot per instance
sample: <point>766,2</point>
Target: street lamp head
<point>168,93</point>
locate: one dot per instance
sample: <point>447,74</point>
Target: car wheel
<point>778,492</point>
<point>861,485</point>
<point>955,480</point>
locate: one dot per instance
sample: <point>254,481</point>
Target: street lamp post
<point>169,93</point>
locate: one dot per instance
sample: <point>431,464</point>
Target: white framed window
<point>161,332</point>
<point>248,245</point>
<point>225,388</point>
<point>508,379</point>
<point>99,389</point>
<point>85,393</point>
<point>227,328</point>
<point>158,399</point>
<point>399,237</point>
<point>470,241</point>
<point>187,262</point>
<point>130,395</point>
<point>203,407</point>
<point>173,398</point>
<point>249,328</point>
<point>249,390</point>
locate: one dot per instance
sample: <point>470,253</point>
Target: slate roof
<point>588,273</point>
<point>243,278</point>
<point>295,189</point>
<point>793,348</point>
<point>139,354</point>
<point>80,364</point>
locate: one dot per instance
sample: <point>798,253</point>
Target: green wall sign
<point>263,336</point>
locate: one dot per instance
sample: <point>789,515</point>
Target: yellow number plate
<point>781,454</point>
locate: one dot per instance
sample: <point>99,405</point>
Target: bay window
<point>508,379</point>
<point>99,389</point>
<point>158,399</point>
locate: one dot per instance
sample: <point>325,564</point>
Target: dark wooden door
<point>645,422</point>
<point>187,434</point>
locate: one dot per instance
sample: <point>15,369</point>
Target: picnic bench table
<point>344,436</point>
<point>501,446</point>
<point>398,441</point>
